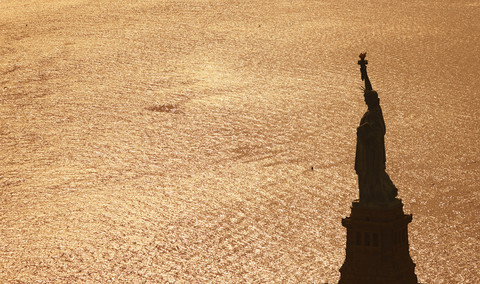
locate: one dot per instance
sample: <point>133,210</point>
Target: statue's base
<point>377,245</point>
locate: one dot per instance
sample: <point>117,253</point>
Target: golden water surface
<point>174,140</point>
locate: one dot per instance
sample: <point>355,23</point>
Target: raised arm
<point>363,70</point>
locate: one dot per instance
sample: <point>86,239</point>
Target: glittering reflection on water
<point>175,140</point>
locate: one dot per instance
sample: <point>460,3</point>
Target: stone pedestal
<point>377,245</point>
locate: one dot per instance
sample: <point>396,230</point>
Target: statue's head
<point>371,98</point>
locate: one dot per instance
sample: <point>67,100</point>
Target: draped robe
<point>374,183</point>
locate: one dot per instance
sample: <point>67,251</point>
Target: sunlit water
<point>173,140</point>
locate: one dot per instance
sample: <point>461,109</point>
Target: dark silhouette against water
<point>377,248</point>
<point>374,183</point>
